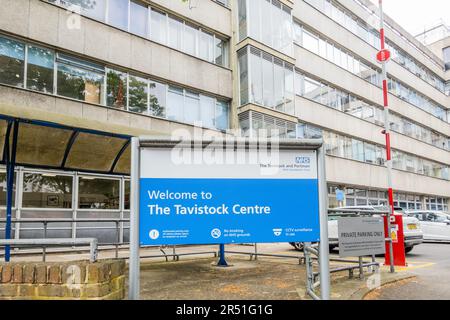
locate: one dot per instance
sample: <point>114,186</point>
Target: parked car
<point>435,224</point>
<point>411,228</point>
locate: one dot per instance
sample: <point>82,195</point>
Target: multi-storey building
<point>78,78</point>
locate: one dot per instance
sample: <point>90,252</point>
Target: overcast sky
<point>413,15</point>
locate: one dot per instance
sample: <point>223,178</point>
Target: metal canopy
<point>49,145</point>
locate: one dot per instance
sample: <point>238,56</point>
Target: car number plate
<point>412,227</point>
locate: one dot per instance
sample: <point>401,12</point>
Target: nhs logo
<point>302,160</point>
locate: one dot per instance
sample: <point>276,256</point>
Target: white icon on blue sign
<point>215,233</point>
<point>153,234</point>
<point>277,232</point>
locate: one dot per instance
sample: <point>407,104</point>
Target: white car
<point>411,228</point>
<point>435,224</point>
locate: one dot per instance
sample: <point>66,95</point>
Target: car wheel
<point>408,249</point>
<point>297,245</point>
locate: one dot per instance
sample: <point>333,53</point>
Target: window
<point>40,69</point>
<point>3,189</point>
<point>243,77</point>
<point>47,191</point>
<point>206,46</point>
<point>207,111</point>
<point>94,9</point>
<point>446,54</point>
<point>175,33</point>
<point>157,99</point>
<point>12,56</point>
<point>126,200</point>
<point>312,89</point>
<point>138,94</point>
<point>138,19</point>
<point>310,42</point>
<point>242,16</point>
<point>118,13</point>
<point>269,22</point>
<point>98,193</point>
<point>116,91</point>
<point>158,26</point>
<point>175,103</point>
<point>256,86</point>
<point>190,38</point>
<point>192,107</point>
<point>222,114</point>
<point>220,52</point>
<point>79,79</point>
<point>268,79</point>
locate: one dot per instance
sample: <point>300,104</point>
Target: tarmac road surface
<point>430,263</point>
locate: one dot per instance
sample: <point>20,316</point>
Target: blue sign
<point>194,206</point>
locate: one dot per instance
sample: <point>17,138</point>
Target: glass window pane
<point>116,91</point>
<point>138,19</point>
<point>40,69</point>
<point>190,36</point>
<point>3,189</point>
<point>12,55</point>
<point>175,104</point>
<point>206,46</point>
<point>118,13</point>
<point>157,99</point>
<point>94,9</point>
<point>242,17</point>
<point>220,52</point>
<point>175,33</point>
<point>191,107</point>
<point>289,94</point>
<point>158,26</point>
<point>207,110</point>
<point>243,77</point>
<point>79,83</point>
<point>312,89</point>
<point>222,115</point>
<point>47,191</point>
<point>256,87</point>
<point>279,85</point>
<point>310,42</point>
<point>96,193</point>
<point>268,79</point>
<point>138,94</point>
<point>126,200</point>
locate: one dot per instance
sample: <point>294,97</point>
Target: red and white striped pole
<point>383,57</point>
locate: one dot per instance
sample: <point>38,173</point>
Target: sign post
<point>214,191</point>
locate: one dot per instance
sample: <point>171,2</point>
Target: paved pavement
<point>430,263</point>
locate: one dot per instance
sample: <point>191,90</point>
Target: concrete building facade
<point>78,78</point>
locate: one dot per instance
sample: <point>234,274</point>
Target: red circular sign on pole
<point>383,55</point>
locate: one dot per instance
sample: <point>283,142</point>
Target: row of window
<point>365,197</point>
<point>267,21</point>
<point>371,36</point>
<point>343,101</point>
<point>142,20</point>
<point>56,191</point>
<point>409,95</point>
<point>266,80</point>
<point>45,70</point>
<point>355,149</point>
<point>327,50</point>
<point>339,145</point>
<point>394,30</point>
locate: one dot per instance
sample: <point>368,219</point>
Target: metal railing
<point>92,242</point>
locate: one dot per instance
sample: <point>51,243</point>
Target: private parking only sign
<point>198,199</point>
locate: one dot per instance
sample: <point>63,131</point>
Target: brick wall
<point>102,280</point>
